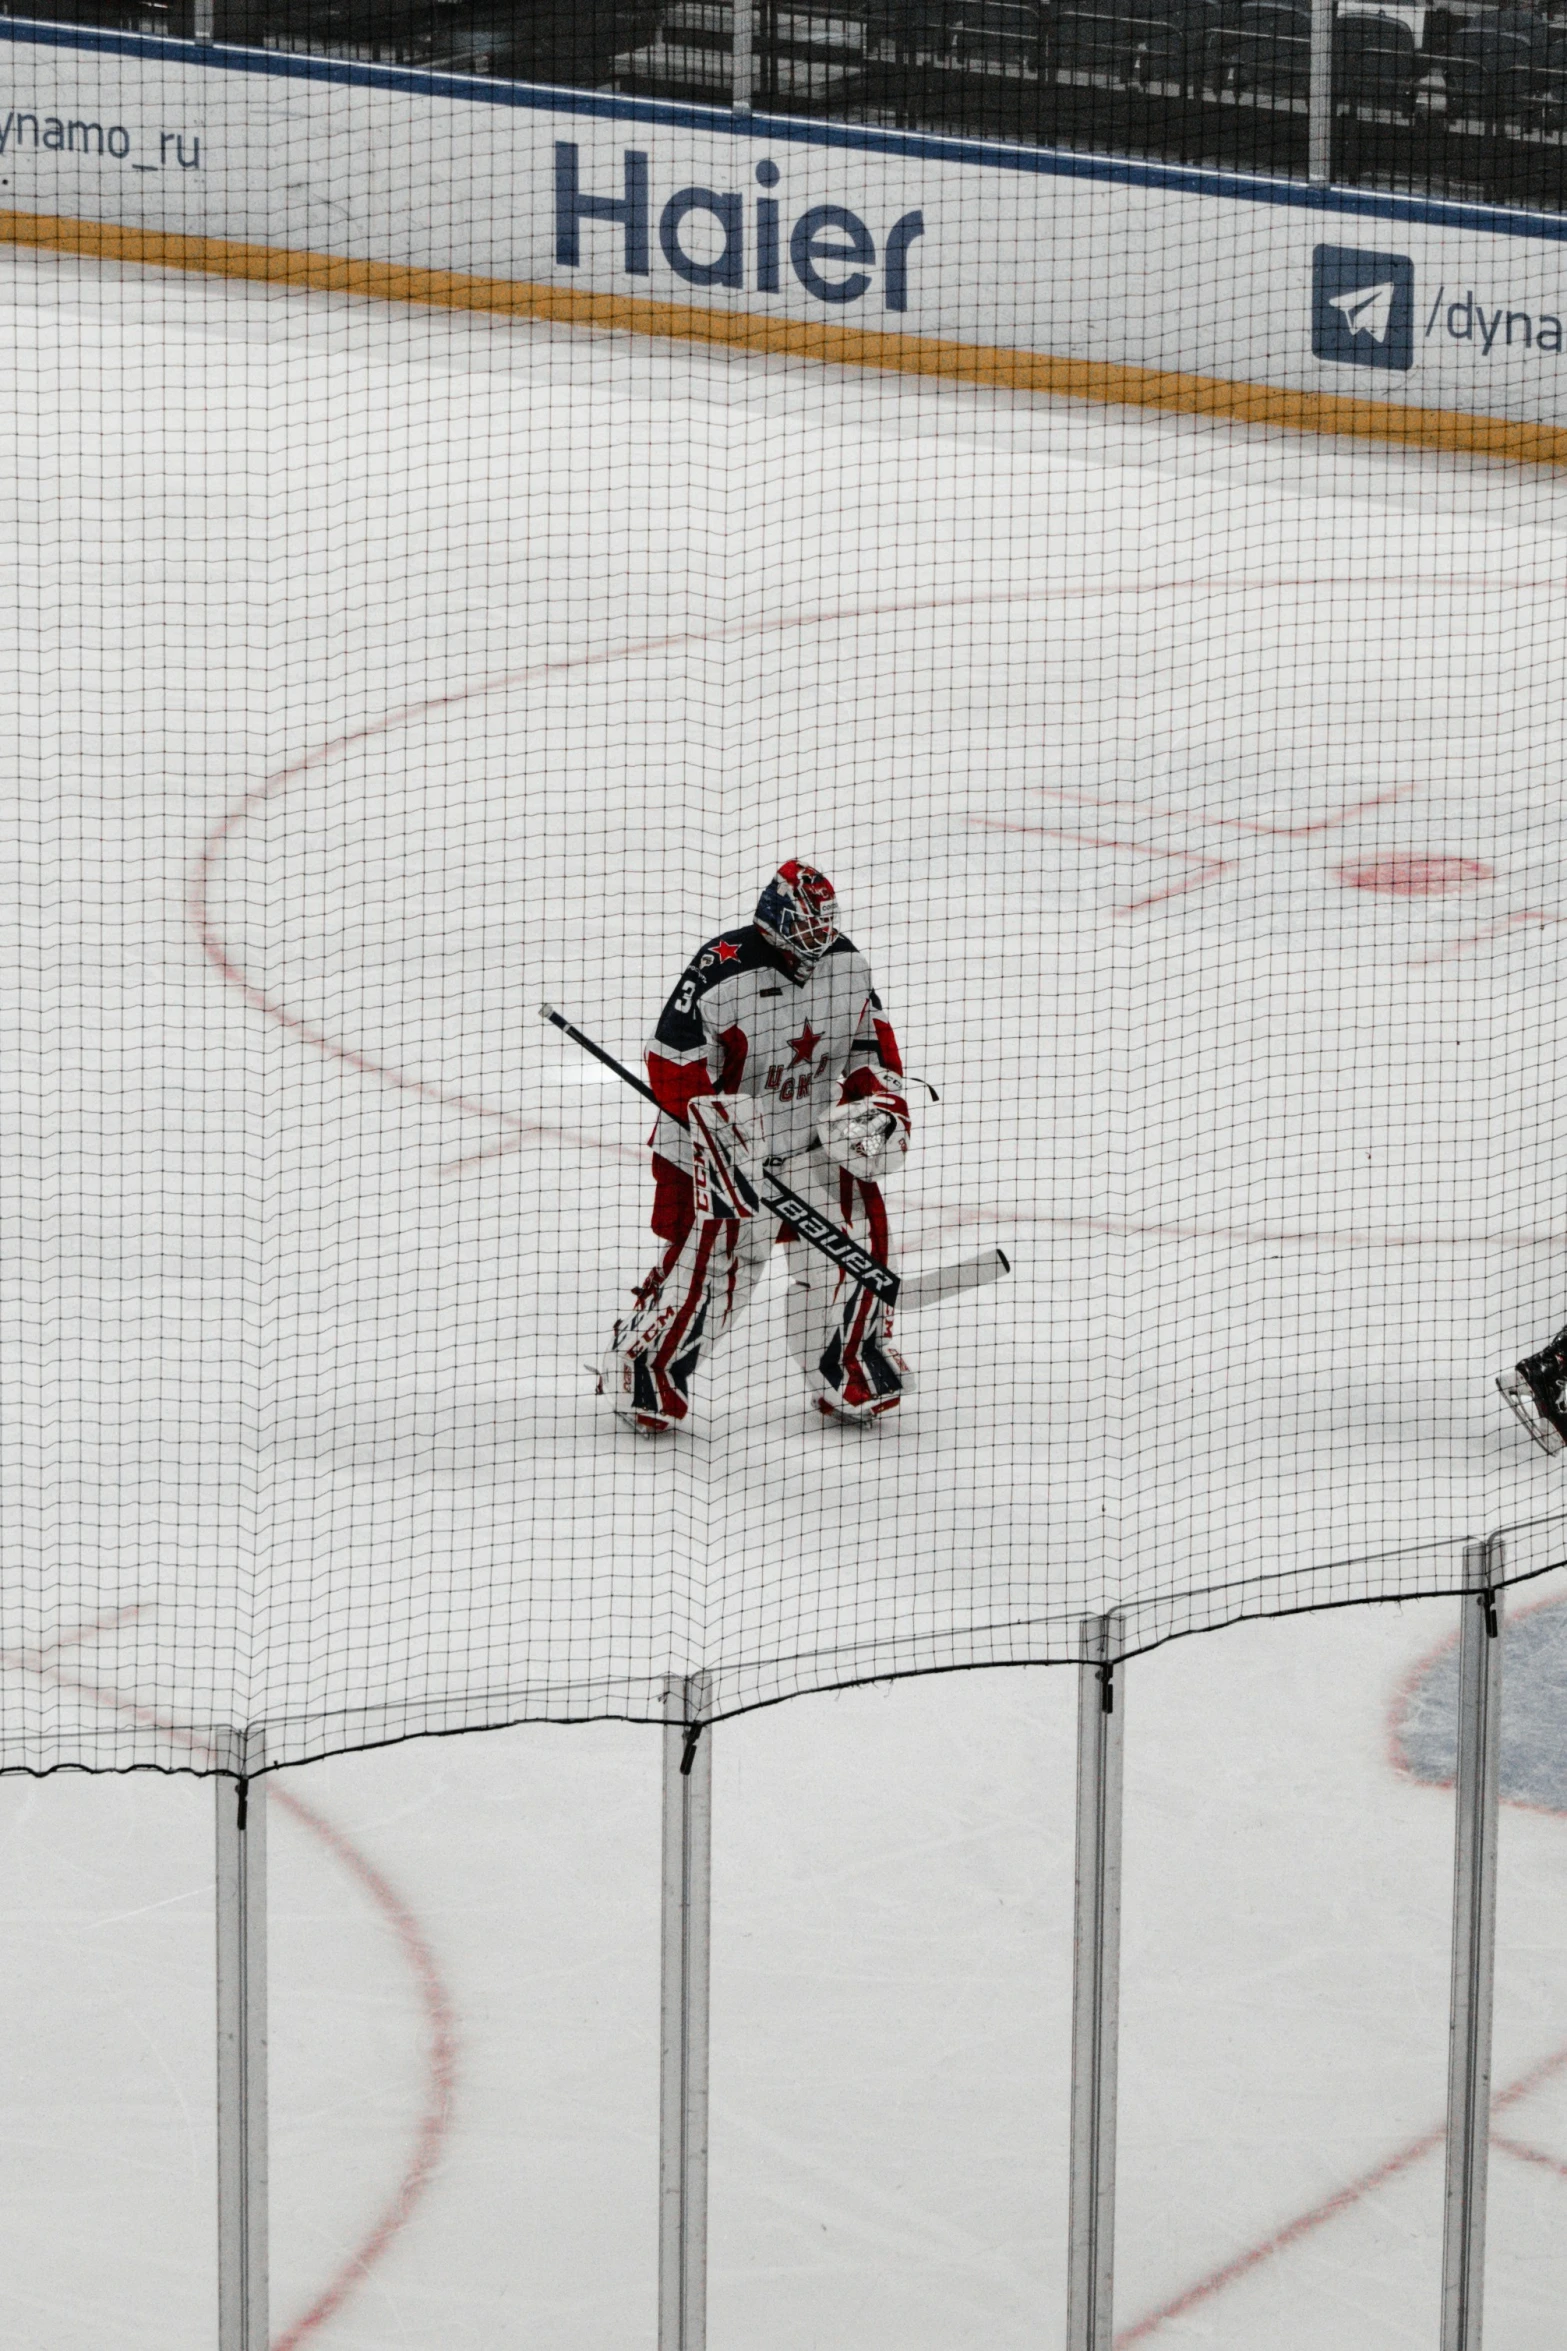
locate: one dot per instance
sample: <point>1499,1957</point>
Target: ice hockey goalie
<point>773,1046</point>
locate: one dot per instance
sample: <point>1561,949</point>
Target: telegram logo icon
<point>1362,307</point>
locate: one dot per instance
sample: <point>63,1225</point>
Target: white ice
<point>377,675</point>
<point>891,2017</point>
<point>1102,725</point>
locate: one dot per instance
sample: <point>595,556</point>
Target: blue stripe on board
<point>1043,162</point>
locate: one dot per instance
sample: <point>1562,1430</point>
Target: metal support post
<point>687,1931</point>
<point>1095,1988</point>
<point>743,82</point>
<point>1474,1947</point>
<point>242,2065</point>
<point>202,26</point>
<point>1319,98</point>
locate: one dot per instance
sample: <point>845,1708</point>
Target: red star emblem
<point>727,951</point>
<point>804,1045</point>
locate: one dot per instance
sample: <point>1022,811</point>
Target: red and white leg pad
<point>697,1291</point>
<point>839,1334</point>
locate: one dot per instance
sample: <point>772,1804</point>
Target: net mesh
<point>376,674</point>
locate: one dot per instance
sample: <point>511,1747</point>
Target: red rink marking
<point>1237,824</point>
<point>1527,2154</point>
<point>1253,2258</point>
<point>1343,2199</point>
<point>1416,877</point>
<point>204,872</point>
<point>227,961</point>
<point>1206,867</point>
<point>440,2071</point>
<point>435,2120</point>
<point>1526,918</point>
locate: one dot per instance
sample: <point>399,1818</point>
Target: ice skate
<point>643,1424</point>
<point>1536,1391</point>
<point>861,1377</point>
<point>627,1385</point>
<point>855,1416</point>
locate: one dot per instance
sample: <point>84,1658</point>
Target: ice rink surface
<point>891,2021</point>
<point>1196,795</point>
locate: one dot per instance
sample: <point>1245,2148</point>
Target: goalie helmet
<point>798,913</point>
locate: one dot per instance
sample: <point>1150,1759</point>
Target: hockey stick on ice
<point>945,1281</point>
<point>828,1239</point>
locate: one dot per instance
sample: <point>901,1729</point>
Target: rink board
<point>1374,315</point>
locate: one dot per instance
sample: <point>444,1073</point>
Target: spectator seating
<point>1097,37</point>
<point>1174,41</point>
<point>1490,76</point>
<point>1548,97</point>
<point>996,36</point>
<point>1374,64</point>
<point>1270,51</point>
<point>910,28</point>
<point>1222,34</point>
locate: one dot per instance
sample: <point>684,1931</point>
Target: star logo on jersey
<point>804,1045</point>
<point>727,951</point>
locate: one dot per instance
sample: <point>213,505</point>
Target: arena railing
<point>1465,100</point>
<point>1105,1646</point>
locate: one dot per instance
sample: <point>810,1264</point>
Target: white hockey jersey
<point>737,1023</point>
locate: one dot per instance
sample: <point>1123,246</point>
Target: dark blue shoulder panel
<point>680,1023</point>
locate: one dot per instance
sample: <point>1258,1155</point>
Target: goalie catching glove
<point>869,1134</point>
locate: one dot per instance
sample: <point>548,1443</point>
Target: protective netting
<point>375,675</point>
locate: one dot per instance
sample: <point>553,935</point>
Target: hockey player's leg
<point>697,1290</point>
<point>652,1358</point>
<point>860,1375</point>
<point>1536,1389</point>
<point>625,1376</point>
<point>642,1373</point>
<point>840,1334</point>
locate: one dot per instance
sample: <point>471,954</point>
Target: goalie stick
<point>945,1281</point>
<point>828,1239</point>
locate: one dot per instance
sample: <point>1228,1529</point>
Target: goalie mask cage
<point>381,667</point>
